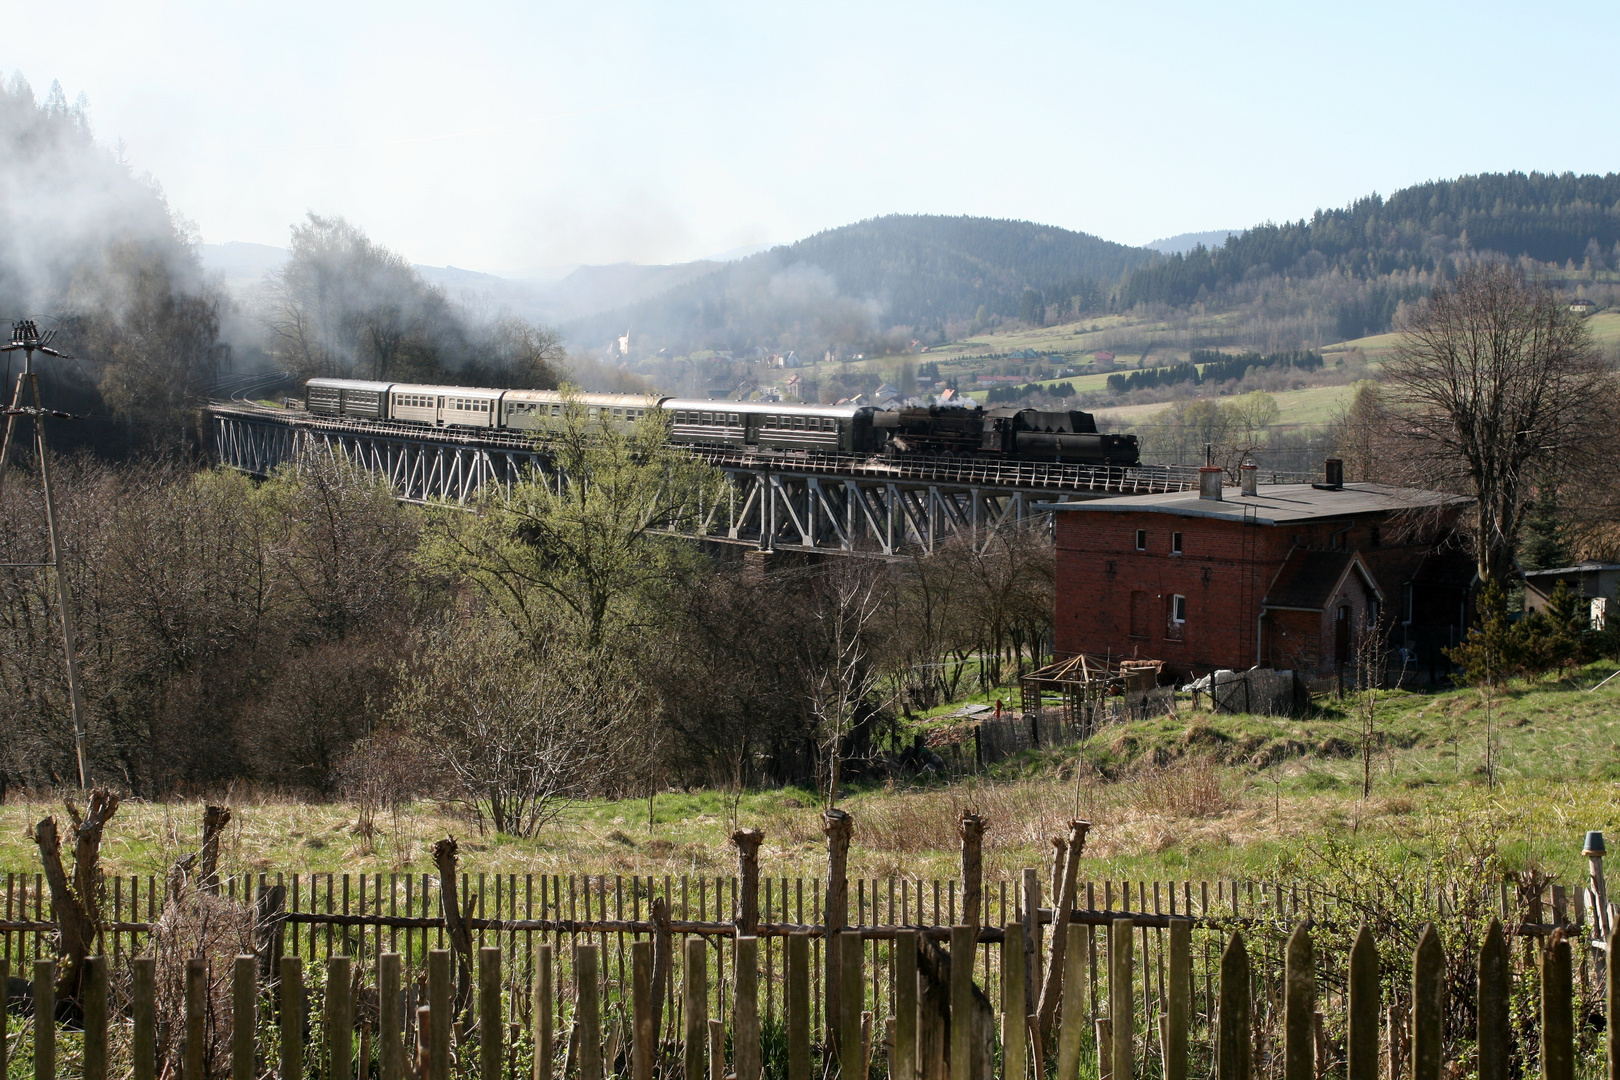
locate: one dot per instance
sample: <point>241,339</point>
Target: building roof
<point>1308,579</point>
<point>1579,568</point>
<point>1275,504</point>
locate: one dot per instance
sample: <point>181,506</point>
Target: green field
<point>1310,407</point>
<point>1192,795</point>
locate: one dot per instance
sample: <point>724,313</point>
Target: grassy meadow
<point>1193,795</point>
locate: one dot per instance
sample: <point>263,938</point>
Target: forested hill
<point>850,284</point>
<point>1548,218</point>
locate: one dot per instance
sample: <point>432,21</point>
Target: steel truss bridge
<point>793,502</point>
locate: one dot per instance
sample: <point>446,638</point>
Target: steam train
<point>939,431</point>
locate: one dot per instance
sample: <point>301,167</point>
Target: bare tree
<point>1495,382</point>
<point>519,726</point>
<point>844,671</point>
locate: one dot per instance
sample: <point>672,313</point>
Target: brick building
<point>1284,576</point>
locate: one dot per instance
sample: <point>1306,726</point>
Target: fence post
<point>1105,1048</point>
<point>339,1018</point>
<point>717,1047</point>
<point>1366,1005</point>
<point>95,1017</point>
<point>1557,1013</point>
<point>439,1014</point>
<point>1121,997</point>
<point>745,1052</point>
<point>196,1059</point>
<point>1495,984</point>
<point>838,826</point>
<point>697,1008</point>
<point>903,1053</point>
<point>1064,893</point>
<point>1072,1018</point>
<point>970,827</point>
<point>390,1017</point>
<point>491,1052</point>
<point>544,1049</point>
<point>963,1042</point>
<point>244,1014</point>
<point>45,1021</point>
<point>1611,987</point>
<point>1299,1007</point>
<point>1232,1053</point>
<point>1428,1005</point>
<point>589,1014</point>
<point>852,1000</point>
<point>798,1005</point>
<point>643,1031</point>
<point>1031,918</point>
<point>747,841</point>
<point>1014,1005</point>
<point>292,1020</point>
<point>1179,1000</point>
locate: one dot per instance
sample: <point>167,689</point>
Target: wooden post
<point>424,1041</point>
<point>1063,901</point>
<point>1105,1048</point>
<point>643,1029</point>
<point>697,1008</point>
<point>747,917</point>
<point>1428,1005</point>
<point>1121,997</point>
<point>970,827</point>
<point>292,1020</point>
<point>1557,1013</point>
<point>244,1014</point>
<point>839,827</point>
<point>1072,1028</point>
<point>5,1057</point>
<point>390,1018</point>
<point>1014,1010</point>
<point>964,1049</point>
<point>852,998</point>
<point>439,1013</point>
<point>903,1051</point>
<point>491,1048</point>
<point>1397,1040</point>
<point>1611,995</point>
<point>1030,915</point>
<point>1495,985</point>
<point>1366,1006</point>
<point>1299,1007</point>
<point>1320,1039</point>
<point>196,1053</point>
<point>717,1050</point>
<point>95,1018</point>
<point>544,1037</point>
<point>745,1051</point>
<point>339,1018</point>
<point>798,1006</point>
<point>589,1012</point>
<point>1232,1053</point>
<point>45,1020</point>
<point>1178,1000</point>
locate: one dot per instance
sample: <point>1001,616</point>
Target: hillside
<point>854,286</point>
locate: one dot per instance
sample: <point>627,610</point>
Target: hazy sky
<point>508,136</point>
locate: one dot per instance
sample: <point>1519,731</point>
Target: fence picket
<point>1366,1005</point>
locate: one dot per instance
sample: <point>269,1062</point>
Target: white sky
<point>510,136</point>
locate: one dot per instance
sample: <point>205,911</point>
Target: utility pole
<point>25,336</point>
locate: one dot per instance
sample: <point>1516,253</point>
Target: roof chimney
<point>1248,474</point>
<point>1334,468</point>
<point>1209,482</point>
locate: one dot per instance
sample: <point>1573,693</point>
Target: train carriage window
<point>770,422</point>
<point>618,414</point>
<point>734,419</point>
<point>556,410</point>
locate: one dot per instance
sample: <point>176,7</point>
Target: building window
<point>1141,539</point>
<point>1175,543</point>
<point>1178,608</point>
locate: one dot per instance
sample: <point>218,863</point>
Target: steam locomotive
<point>936,431</point>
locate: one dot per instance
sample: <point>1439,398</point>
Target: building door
<point>1139,615</point>
<point>1341,636</point>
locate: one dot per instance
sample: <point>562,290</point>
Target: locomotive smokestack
<point>1209,482</point>
<point>1248,474</point>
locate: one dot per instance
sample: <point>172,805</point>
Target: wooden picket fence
<point>267,1032</point>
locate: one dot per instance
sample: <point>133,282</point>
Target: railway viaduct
<point>775,502</point>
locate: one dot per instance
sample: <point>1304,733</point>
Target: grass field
<point>1189,796</point>
<point>1311,407</point>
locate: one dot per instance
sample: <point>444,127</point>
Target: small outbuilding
<point>1597,583</point>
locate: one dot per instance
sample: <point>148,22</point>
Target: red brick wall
<point>1098,569</point>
